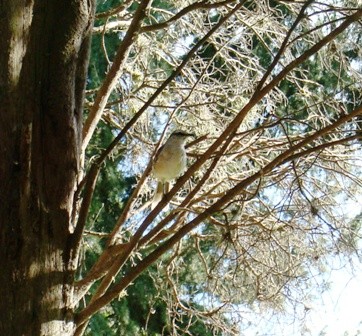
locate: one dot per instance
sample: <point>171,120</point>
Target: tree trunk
<point>43,60</point>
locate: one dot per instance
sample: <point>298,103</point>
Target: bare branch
<point>120,261</point>
<point>113,74</point>
<point>284,45</point>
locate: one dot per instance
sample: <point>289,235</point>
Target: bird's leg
<point>166,187</point>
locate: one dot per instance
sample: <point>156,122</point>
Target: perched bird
<point>170,162</point>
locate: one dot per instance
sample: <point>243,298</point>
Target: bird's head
<point>181,134</point>
<point>179,137</point>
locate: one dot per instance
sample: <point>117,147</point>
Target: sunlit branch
<point>229,195</point>
<point>283,45</point>
<point>162,25</point>
<point>195,6</point>
<point>123,132</point>
<point>114,11</point>
<point>126,252</point>
<point>114,73</point>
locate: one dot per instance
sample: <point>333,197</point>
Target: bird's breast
<point>170,164</point>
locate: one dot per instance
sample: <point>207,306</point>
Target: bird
<point>170,162</point>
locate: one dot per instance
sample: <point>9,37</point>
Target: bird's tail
<point>162,188</point>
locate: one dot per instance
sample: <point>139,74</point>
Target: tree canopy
<point>273,91</point>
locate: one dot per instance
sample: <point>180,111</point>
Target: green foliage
<point>105,5</point>
<point>98,65</point>
<point>139,310</point>
<point>261,51</point>
<point>112,188</point>
<point>142,311</point>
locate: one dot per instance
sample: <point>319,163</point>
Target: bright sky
<point>339,311</point>
<point>336,312</point>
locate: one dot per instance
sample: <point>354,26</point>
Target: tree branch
<point>113,74</point>
<point>128,249</point>
<point>284,45</point>
<point>114,11</point>
<point>155,255</point>
<point>197,5</point>
<point>157,26</point>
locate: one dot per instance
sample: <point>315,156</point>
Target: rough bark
<point>44,53</point>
